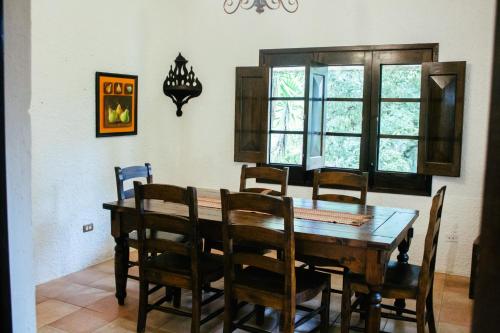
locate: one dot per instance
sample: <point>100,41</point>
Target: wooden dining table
<point>364,249</point>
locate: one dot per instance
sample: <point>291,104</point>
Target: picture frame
<point>116,104</point>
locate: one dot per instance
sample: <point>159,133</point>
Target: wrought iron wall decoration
<point>231,6</point>
<point>181,85</point>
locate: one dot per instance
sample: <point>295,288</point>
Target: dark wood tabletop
<point>385,229</point>
<point>364,249</point>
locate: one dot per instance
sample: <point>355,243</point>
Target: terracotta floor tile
<point>456,309</point>
<point>52,310</point>
<point>87,276</point>
<point>109,305</point>
<point>400,326</point>
<point>40,299</point>
<point>119,325</point>
<point>50,329</point>
<point>450,328</point>
<point>82,295</point>
<point>106,283</point>
<point>106,267</point>
<point>457,284</point>
<point>53,288</point>
<point>83,321</point>
<point>94,289</point>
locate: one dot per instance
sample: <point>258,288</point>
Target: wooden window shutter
<point>441,118</point>
<point>315,141</point>
<point>251,119</point>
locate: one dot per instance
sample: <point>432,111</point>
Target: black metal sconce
<point>181,85</point>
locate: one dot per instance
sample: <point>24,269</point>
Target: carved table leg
<point>403,258</point>
<point>374,310</point>
<point>376,265</point>
<point>121,267</point>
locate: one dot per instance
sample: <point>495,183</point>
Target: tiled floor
<point>85,302</point>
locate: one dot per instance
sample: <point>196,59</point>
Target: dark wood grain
<point>266,281</point>
<point>487,293</point>
<point>181,264</point>
<point>349,181</point>
<point>274,175</point>
<point>250,137</point>
<point>365,249</point>
<point>402,281</point>
<point>441,118</point>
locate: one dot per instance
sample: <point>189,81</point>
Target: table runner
<point>306,213</point>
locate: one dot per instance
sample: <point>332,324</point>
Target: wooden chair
<point>122,175</point>
<point>348,181</point>
<point>180,264</point>
<point>129,174</point>
<point>266,281</point>
<point>279,176</point>
<point>404,281</point>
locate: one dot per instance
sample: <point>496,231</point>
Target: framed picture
<point>116,104</point>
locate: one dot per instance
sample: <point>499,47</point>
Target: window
<point>286,126</point>
<point>360,109</point>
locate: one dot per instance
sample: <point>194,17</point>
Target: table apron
<point>363,260</point>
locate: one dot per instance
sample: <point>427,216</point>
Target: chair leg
<point>143,304</point>
<point>325,313</point>
<point>177,297</point>
<point>196,312</point>
<point>259,314</point>
<point>288,321</point>
<point>169,294</point>
<point>229,312</point>
<point>346,305</point>
<point>430,312</point>
<point>420,318</point>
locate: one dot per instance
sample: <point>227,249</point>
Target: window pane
<point>342,152</point>
<point>287,115</point>
<point>288,81</point>
<point>345,82</point>
<point>344,117</point>
<point>286,149</point>
<point>399,118</point>
<point>398,155</point>
<point>401,81</point>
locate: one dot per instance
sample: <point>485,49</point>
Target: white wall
<point>17,41</point>
<point>216,43</point>
<point>72,170</point>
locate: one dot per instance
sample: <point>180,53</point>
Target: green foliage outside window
<point>346,82</point>
<point>287,115</point>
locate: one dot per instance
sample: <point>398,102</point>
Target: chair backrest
<point>279,176</point>
<point>431,242</point>
<point>238,230</point>
<point>345,180</point>
<point>191,244</point>
<point>128,173</point>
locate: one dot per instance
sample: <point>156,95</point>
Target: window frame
<point>386,182</point>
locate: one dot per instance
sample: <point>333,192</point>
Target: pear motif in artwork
<point>107,87</point>
<point>125,116</point>
<point>112,116</point>
<point>119,110</point>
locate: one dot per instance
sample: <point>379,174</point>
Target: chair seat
<point>211,266</point>
<point>218,245</point>
<point>308,283</point>
<point>317,261</point>
<point>401,281</point>
<point>160,235</point>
